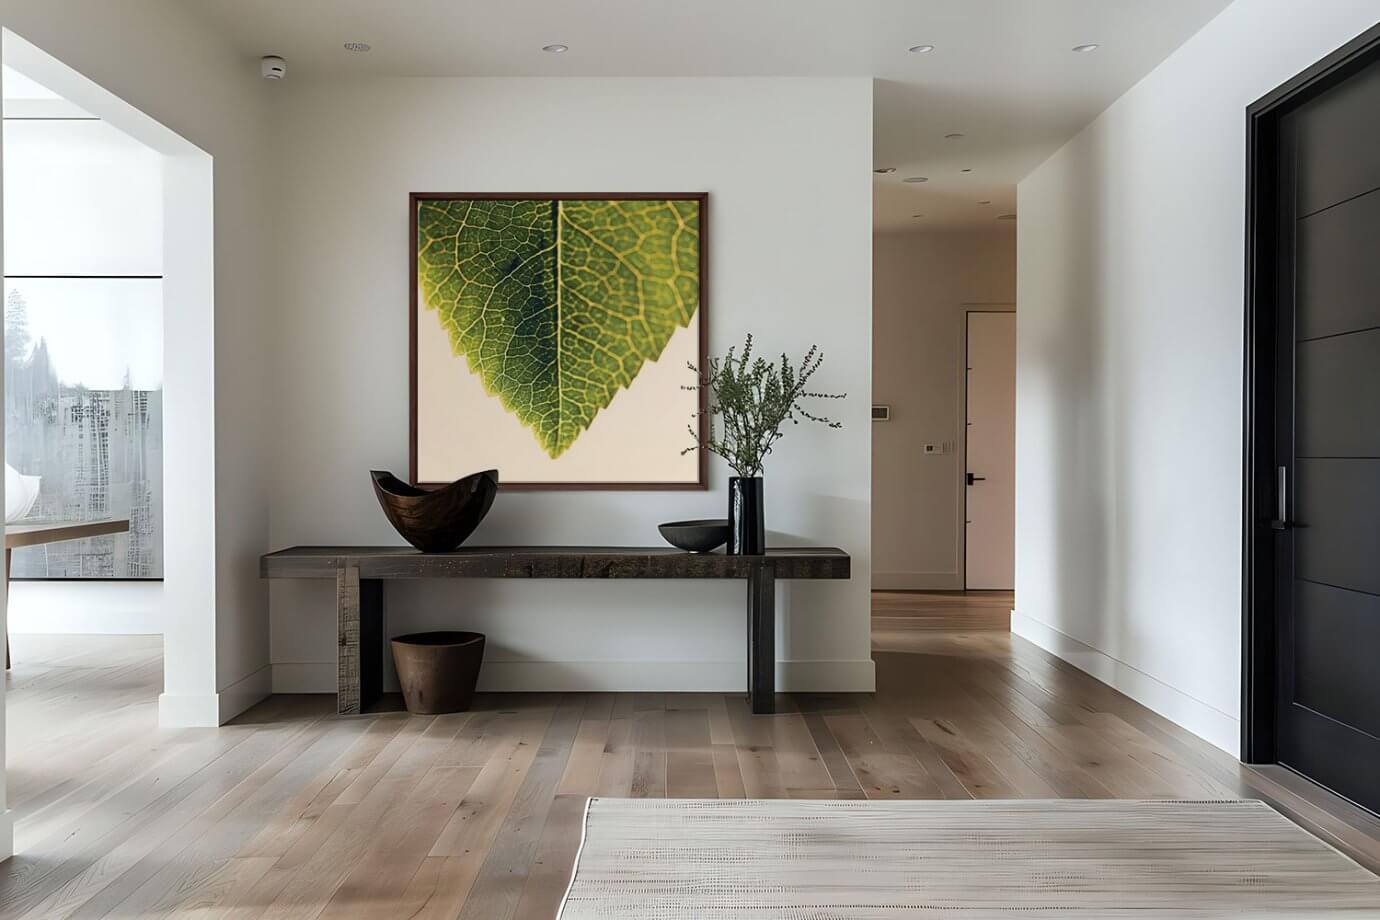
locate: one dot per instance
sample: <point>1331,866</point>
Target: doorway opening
<point>110,531</point>
<point>931,288</point>
<point>83,397</point>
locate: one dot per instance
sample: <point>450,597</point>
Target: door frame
<point>1264,252</point>
<point>963,369</point>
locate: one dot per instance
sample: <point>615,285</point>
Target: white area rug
<point>849,860</point>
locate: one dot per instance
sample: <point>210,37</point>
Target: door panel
<point>1332,753</point>
<point>990,540</point>
<point>1339,143</point>
<point>1339,384</point>
<point>1327,543</point>
<point>1337,541</point>
<point>1335,639</point>
<point>1339,273</point>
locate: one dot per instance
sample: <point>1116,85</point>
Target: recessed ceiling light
<point>357,46</point>
<point>920,49</point>
<point>1006,217</point>
<point>555,49</point>
<point>916,179</point>
<point>953,137</point>
<point>884,170</point>
<point>984,202</point>
<point>1084,49</point>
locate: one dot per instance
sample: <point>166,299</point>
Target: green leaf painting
<point>557,305</point>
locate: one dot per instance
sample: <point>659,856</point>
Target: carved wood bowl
<point>439,520</point>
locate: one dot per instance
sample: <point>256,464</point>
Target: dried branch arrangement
<point>751,399</point>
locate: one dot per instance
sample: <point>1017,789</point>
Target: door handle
<point>1281,521</point>
<point>972,479</point>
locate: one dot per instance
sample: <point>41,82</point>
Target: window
<point>84,336</point>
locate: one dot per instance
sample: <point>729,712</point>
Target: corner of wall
<point>1208,723</point>
<point>211,710</point>
<point>244,693</point>
<point>188,710</point>
<point>6,834</point>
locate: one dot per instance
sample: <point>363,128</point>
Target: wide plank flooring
<point>291,812</point>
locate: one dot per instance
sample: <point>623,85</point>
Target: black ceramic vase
<point>747,527</point>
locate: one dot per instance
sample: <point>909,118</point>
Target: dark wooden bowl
<point>436,521</point>
<point>696,536</point>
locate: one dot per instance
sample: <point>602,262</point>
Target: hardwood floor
<point>291,812</point>
<point>900,611</point>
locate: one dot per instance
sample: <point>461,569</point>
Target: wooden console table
<point>17,535</point>
<point>360,571</point>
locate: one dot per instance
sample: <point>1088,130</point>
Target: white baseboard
<point>244,693</point>
<point>191,710</point>
<point>211,710</point>
<point>917,581</point>
<point>1207,722</point>
<point>831,676</point>
<point>304,676</point>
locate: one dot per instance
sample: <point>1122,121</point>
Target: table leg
<point>8,553</point>
<point>761,609</point>
<point>359,622</point>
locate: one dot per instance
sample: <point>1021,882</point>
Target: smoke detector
<point>272,67</point>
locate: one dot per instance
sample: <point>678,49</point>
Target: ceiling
<point>1002,72</point>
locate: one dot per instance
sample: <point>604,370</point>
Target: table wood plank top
<point>36,534</point>
<point>815,562</point>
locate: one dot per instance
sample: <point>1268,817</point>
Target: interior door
<point>1327,456</point>
<point>990,493</point>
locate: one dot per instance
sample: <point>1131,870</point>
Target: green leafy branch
<point>752,399</point>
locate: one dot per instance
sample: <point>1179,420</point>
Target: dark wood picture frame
<point>1267,265</point>
<point>702,198</point>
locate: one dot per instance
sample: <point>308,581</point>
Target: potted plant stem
<point>751,398</point>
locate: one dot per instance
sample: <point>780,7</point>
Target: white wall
<point>922,284</point>
<point>6,818</point>
<point>159,57</point>
<point>1130,284</point>
<point>787,164</point>
<point>121,608</point>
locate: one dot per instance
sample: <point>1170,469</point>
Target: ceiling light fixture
<point>884,170</point>
<point>1084,49</point>
<point>555,49</point>
<point>920,49</point>
<point>916,179</point>
<point>357,46</point>
<point>1006,217</point>
<point>966,169</point>
<point>953,137</point>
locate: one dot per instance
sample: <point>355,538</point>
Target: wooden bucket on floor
<point>438,671</point>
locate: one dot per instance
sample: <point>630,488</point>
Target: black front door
<point>1327,440</point>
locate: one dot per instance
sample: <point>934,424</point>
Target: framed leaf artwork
<point>551,339</point>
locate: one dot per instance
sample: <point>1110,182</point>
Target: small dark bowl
<point>696,536</point>
<point>436,521</point>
